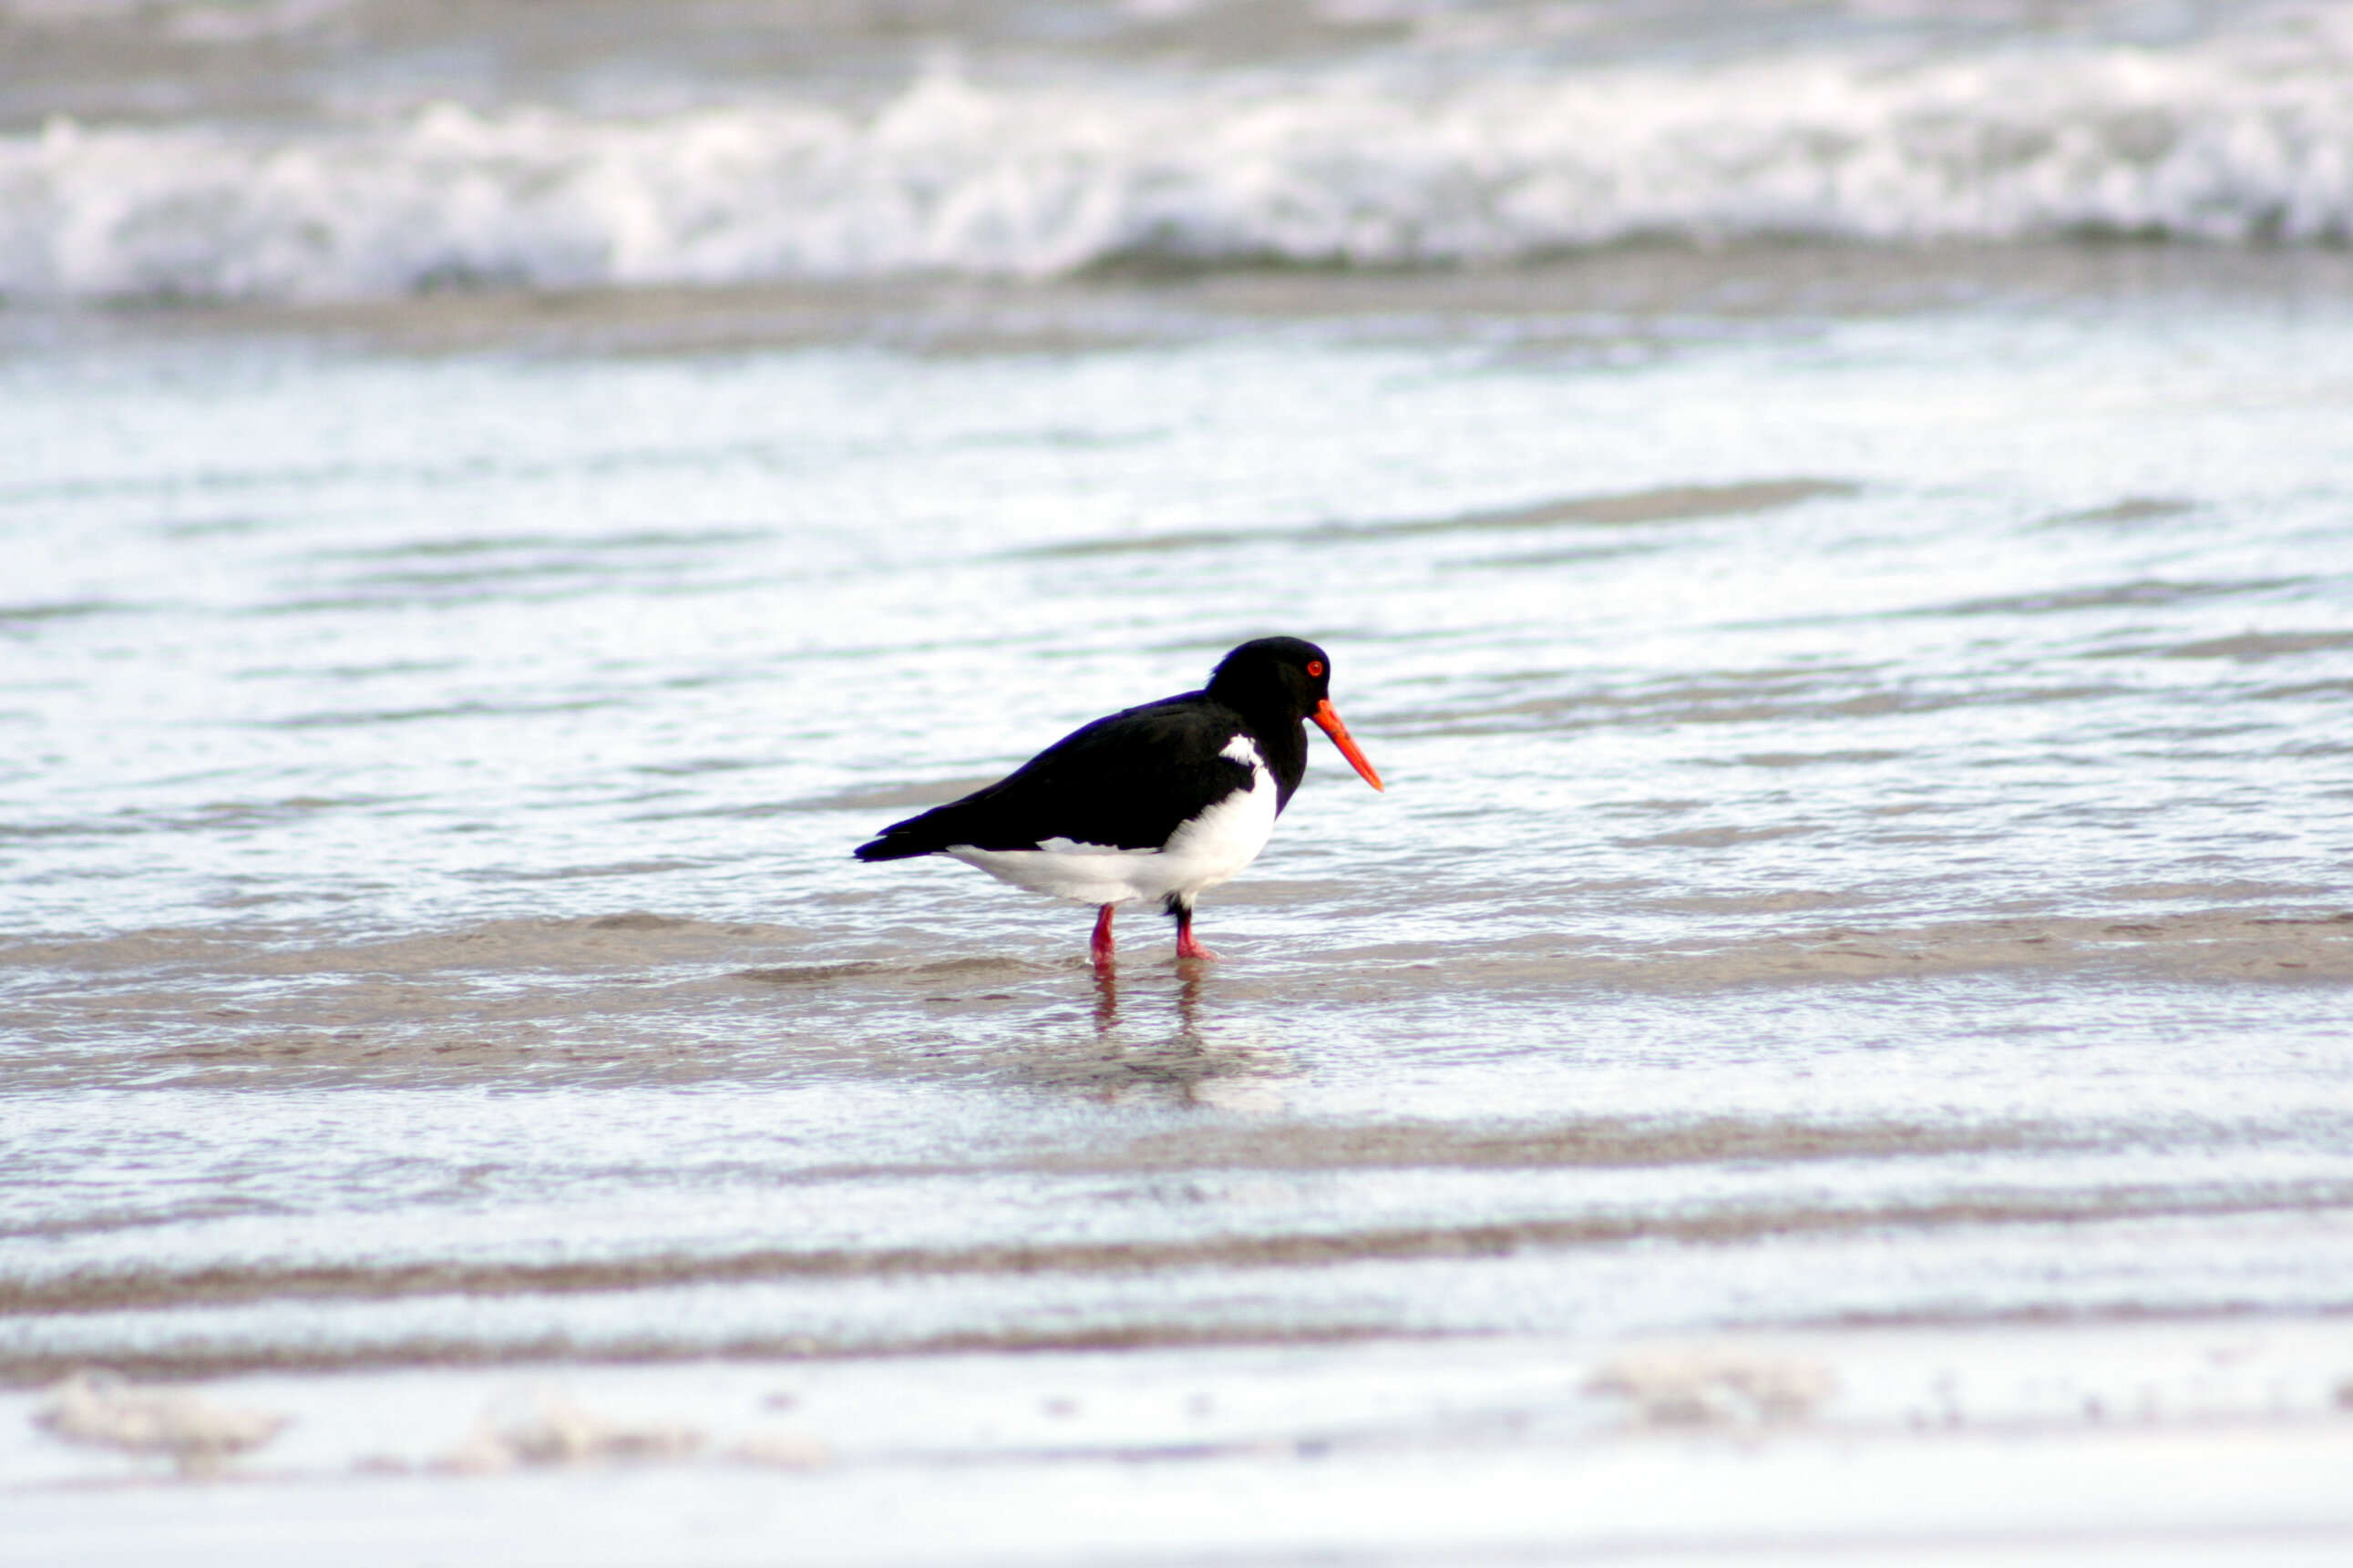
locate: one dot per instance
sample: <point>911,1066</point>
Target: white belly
<point>1199,855</point>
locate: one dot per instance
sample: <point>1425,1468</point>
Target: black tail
<point>905,840</point>
<point>890,847</point>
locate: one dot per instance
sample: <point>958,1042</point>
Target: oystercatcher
<point>1157,802</point>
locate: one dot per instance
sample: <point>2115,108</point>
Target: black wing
<point>1127,781</point>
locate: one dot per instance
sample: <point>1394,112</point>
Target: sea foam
<point>2223,141</point>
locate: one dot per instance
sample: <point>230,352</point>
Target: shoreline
<point>1110,307</point>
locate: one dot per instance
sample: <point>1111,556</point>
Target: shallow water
<point>1863,881</point>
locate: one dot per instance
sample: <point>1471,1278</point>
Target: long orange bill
<point>1329,722</point>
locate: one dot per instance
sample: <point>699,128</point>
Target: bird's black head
<point>1286,679</point>
<point>1284,675</point>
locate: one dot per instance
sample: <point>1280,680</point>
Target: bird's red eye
<point>1315,666</point>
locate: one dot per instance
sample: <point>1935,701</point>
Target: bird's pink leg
<point>1102,944</point>
<point>1186,946</point>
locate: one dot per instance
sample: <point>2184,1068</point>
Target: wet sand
<point>2199,1443</point>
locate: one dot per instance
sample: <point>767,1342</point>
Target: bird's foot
<point>1102,947</point>
<point>1186,946</point>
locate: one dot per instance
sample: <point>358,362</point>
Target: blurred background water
<point>1831,521</point>
<point>325,148</point>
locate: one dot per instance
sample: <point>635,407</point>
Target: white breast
<point>1228,836</point>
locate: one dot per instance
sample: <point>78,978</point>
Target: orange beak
<point>1329,722</point>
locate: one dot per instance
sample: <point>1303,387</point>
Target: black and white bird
<point>1161,802</point>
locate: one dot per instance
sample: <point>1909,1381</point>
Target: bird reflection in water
<point>1107,1000</point>
<point>1133,1057</point>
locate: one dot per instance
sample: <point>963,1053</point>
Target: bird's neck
<point>1283,741</point>
<point>1280,733</point>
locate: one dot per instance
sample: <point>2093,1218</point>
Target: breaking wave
<point>2216,143</point>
